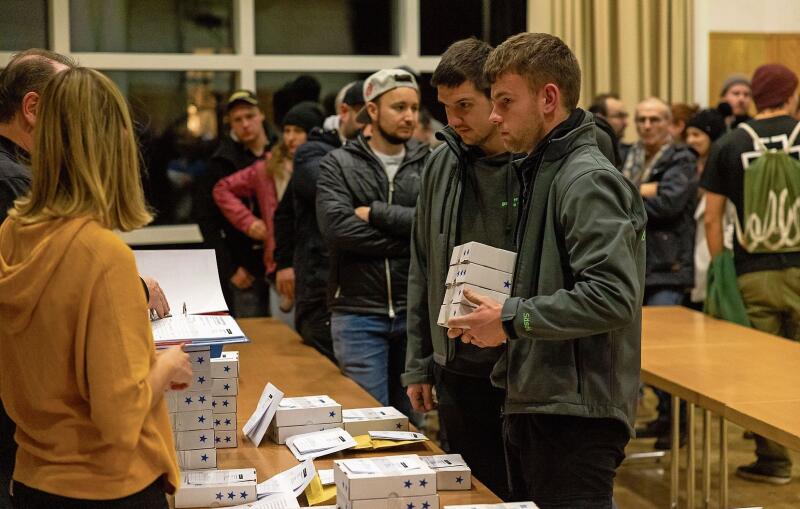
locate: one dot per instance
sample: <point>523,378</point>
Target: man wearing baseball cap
<point>366,194</point>
<point>766,280</point>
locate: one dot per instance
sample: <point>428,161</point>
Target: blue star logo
<point>243,494</point>
<point>425,505</point>
<point>201,419</point>
<point>225,402</point>
<point>202,399</point>
<point>188,401</point>
<point>216,422</point>
<point>200,359</point>
<point>201,380</point>
<point>423,482</point>
<point>459,479</point>
<point>226,386</point>
<point>204,457</point>
<point>214,404</point>
<point>227,422</point>
<point>399,425</point>
<point>217,440</point>
<point>409,505</point>
<point>228,438</point>
<point>231,495</point>
<point>219,496</point>
<point>203,438</point>
<point>407,484</point>
<point>332,414</point>
<point>507,284</point>
<point>226,368</point>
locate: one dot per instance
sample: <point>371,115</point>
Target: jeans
<point>772,301</point>
<point>471,415</point>
<point>152,497</point>
<point>250,302</point>
<point>371,349</point>
<point>561,461</point>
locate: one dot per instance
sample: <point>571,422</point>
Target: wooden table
<point>276,355</point>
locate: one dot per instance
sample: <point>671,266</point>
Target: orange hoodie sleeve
<point>119,349</point>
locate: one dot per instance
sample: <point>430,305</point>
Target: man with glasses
<point>664,173</point>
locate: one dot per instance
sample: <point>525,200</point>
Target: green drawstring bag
<point>771,199</point>
<point>723,299</point>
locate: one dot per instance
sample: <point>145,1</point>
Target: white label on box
<point>444,461</point>
<point>389,476</point>
<point>280,434</point>
<point>488,256</point>
<point>319,443</point>
<point>225,387</point>
<point>458,294</point>
<point>401,502</point>
<point>484,277</point>
<point>225,439</point>
<point>223,404</point>
<point>185,401</point>
<point>188,440</point>
<point>197,459</point>
<point>190,421</point>
<point>399,436</point>
<point>217,488</point>
<point>225,366</point>
<point>455,257</point>
<point>308,410</point>
<point>224,422</point>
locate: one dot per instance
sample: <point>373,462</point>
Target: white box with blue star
<point>189,440</point>
<point>224,439</point>
<point>455,258</point>
<point>360,421</point>
<point>452,472</point>
<point>226,365</point>
<point>192,421</point>
<point>484,277</point>
<point>185,401</point>
<point>488,256</point>
<point>197,459</point>
<point>225,387</point>
<point>200,382</point>
<point>419,502</point>
<point>216,488</point>
<point>383,477</point>
<point>307,410</point>
<point>224,422</point>
<point>223,404</point>
<point>279,434</point>
<point>200,359</point>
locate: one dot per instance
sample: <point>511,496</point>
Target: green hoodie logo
<point>526,321</point>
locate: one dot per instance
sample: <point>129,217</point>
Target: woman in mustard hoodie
<point>78,370</point>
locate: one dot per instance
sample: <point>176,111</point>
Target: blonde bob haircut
<point>86,160</point>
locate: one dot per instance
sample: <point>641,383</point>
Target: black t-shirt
<point>488,215</point>
<point>724,174</point>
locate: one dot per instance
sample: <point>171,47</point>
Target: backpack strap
<point>793,136</point>
<point>756,139</point>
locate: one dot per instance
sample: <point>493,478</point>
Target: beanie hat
<point>733,79</point>
<point>773,85</point>
<point>306,115</point>
<point>710,122</point>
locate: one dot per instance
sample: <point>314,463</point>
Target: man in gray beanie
<point>737,94</point>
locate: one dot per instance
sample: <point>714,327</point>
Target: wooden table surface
<point>276,355</point>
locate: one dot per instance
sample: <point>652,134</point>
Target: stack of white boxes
<point>307,414</point>
<point>483,269</point>
<point>385,483</point>
<point>224,389</point>
<point>191,416</point>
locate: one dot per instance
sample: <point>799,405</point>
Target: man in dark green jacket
<point>572,326</point>
<point>468,193</point>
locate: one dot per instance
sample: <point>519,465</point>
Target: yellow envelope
<point>364,442</point>
<point>317,494</point>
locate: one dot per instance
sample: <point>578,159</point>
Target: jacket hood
<point>29,255</point>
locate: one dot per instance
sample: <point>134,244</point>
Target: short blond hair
<point>85,160</point>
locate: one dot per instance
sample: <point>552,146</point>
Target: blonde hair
<point>85,161</point>
<point>275,166</point>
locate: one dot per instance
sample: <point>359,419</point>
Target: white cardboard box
<point>455,257</point>
<point>191,421</point>
<point>200,382</point>
<point>456,310</point>
<point>225,387</point>
<point>448,294</point>
<point>488,256</point>
<point>225,439</point>
<point>197,459</point>
<point>382,477</point>
<point>200,358</point>
<point>216,488</point>
<point>307,410</point>
<point>419,502</point>
<point>478,275</point>
<point>185,401</point>
<point>443,312</point>
<point>452,272</point>
<point>225,366</point>
<point>224,422</point>
<point>452,472</point>
<point>458,294</point>
<point>360,421</point>
<point>279,434</point>
<point>223,404</point>
<point>189,440</point>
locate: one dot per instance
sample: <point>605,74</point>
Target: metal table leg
<point>723,463</point>
<point>674,483</point>
<point>706,459</point>
<point>690,456</point>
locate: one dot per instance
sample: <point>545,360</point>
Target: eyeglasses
<point>652,120</point>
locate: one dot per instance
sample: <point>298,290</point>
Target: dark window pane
<point>278,91</point>
<point>326,27</point>
<point>23,25</point>
<point>151,26</point>
<point>442,22</point>
<point>178,118</point>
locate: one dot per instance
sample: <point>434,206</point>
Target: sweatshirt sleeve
<point>119,348</point>
<point>229,191</point>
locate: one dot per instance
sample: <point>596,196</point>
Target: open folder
<point>190,281</point>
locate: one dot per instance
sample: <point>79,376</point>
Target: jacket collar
<point>361,147</point>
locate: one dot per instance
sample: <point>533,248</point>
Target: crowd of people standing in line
<point>352,220</point>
